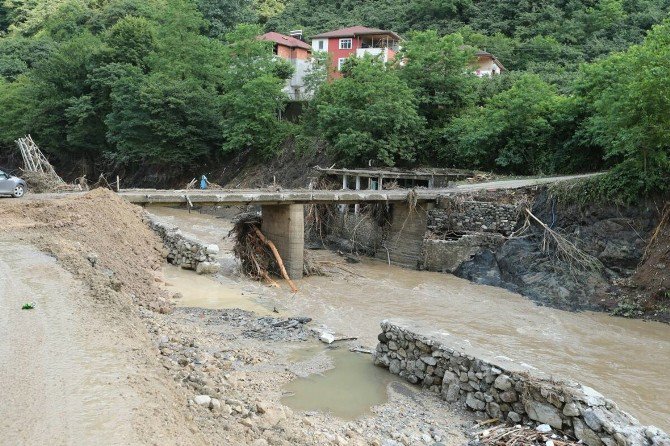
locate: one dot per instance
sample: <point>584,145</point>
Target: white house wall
<point>315,45</point>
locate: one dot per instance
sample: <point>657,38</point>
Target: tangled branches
<point>40,182</point>
<point>256,253</point>
<point>665,219</point>
<point>518,435</point>
<point>319,221</point>
<point>253,255</point>
<point>564,249</point>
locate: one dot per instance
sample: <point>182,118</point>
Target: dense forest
<point>146,86</point>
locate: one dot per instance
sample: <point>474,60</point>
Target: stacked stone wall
<point>184,251</point>
<point>473,216</point>
<point>495,387</point>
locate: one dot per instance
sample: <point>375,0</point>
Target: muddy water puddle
<point>348,390</point>
<point>624,359</point>
<point>205,292</point>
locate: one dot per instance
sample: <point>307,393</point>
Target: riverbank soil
<point>631,278</point>
<point>105,358</point>
<point>649,288</point>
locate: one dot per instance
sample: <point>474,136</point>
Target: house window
<point>345,44</point>
<point>340,62</point>
<point>321,45</point>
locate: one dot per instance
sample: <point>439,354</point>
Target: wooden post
<point>118,184</point>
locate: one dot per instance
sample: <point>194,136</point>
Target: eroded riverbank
<point>625,359</point>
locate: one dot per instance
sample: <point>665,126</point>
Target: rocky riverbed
<point>234,365</point>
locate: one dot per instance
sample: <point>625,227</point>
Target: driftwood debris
<point>257,254</point>
<point>38,171</point>
<point>504,435</point>
<point>34,160</point>
<point>560,246</point>
<point>277,257</point>
<point>665,220</point>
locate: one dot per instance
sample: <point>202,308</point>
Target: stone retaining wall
<point>473,216</point>
<point>447,255</point>
<point>495,387</point>
<point>184,251</point>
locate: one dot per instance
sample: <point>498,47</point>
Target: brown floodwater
<point>625,359</point>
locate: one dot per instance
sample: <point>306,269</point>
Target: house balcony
<point>385,54</point>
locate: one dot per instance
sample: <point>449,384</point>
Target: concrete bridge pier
<point>403,243</point>
<point>284,224</point>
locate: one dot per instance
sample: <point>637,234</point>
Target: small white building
<point>487,64</point>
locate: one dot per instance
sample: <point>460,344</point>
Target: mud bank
<point>80,368</point>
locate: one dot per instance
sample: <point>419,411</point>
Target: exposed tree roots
<point>258,255</point>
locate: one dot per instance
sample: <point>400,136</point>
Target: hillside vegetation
<point>169,87</point>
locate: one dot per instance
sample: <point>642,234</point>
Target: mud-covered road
<point>55,372</point>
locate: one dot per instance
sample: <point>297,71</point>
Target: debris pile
<point>518,435</point>
<point>257,254</point>
<point>38,171</point>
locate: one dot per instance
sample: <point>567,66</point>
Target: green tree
<point>371,113</point>
<point>223,15</point>
<point>317,74</point>
<point>267,9</point>
<point>163,120</point>
<point>251,121</point>
<point>629,94</point>
<point>437,69</point>
<point>513,133</point>
<point>253,100</point>
<point>131,40</point>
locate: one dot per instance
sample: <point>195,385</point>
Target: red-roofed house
<point>288,47</point>
<point>298,53</point>
<point>358,40</point>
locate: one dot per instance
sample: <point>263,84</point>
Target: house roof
<point>354,31</point>
<point>281,39</point>
<point>481,53</point>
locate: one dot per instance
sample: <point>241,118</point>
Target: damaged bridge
<point>283,214</point>
<point>283,211</point>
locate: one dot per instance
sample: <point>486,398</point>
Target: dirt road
<point>65,378</point>
<point>55,372</point>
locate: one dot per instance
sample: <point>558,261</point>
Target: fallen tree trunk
<point>278,258</point>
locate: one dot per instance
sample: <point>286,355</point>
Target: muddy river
<point>627,360</point>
